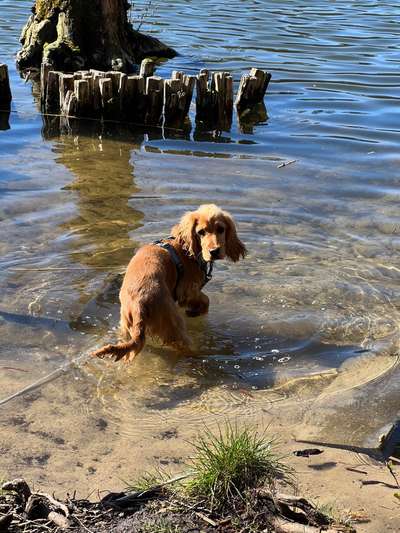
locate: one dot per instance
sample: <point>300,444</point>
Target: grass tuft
<point>233,461</point>
<point>147,481</point>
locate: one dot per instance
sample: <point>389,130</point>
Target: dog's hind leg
<point>170,327</point>
<point>128,350</point>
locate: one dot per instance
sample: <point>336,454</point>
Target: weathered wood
<point>135,99</point>
<point>189,83</point>
<point>214,100</point>
<point>52,104</point>
<point>115,96</point>
<point>203,96</point>
<point>70,107</point>
<point>5,91</point>
<point>147,68</point>
<point>222,99</point>
<point>66,83</point>
<point>172,88</point>
<point>44,72</point>
<point>97,106</point>
<point>107,100</point>
<point>84,97</point>
<point>155,99</point>
<point>178,93</point>
<point>252,88</point>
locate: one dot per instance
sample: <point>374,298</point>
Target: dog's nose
<point>215,253</point>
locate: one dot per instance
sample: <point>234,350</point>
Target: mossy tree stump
<point>76,34</point>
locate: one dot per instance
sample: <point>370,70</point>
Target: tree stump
<point>76,34</point>
<point>5,91</point>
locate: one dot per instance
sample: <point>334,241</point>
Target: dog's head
<point>211,232</point>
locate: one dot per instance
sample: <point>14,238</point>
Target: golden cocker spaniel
<point>169,272</point>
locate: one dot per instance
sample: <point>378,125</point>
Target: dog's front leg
<point>198,306</point>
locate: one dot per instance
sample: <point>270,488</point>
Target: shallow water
<point>312,315</point>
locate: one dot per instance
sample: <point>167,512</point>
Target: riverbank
<point>236,480</point>
<point>352,487</point>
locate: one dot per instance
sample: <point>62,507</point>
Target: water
<point>304,331</point>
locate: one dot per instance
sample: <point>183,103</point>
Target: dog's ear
<point>185,233</point>
<point>234,247</point>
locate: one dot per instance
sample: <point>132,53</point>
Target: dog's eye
<point>220,229</point>
<point>201,232</point>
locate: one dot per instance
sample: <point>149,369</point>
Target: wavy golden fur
<point>150,283</point>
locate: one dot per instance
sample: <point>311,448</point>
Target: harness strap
<point>176,260</point>
<point>205,267</point>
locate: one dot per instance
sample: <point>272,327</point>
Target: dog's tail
<point>122,349</point>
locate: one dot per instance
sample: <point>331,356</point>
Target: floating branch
<point>252,88</point>
<point>5,91</point>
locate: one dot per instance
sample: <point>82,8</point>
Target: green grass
<point>333,512</point>
<point>147,481</point>
<point>231,462</point>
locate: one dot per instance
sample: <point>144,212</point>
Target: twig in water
<point>286,163</point>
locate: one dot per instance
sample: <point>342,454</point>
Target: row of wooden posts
<point>149,99</point>
<point>144,98</point>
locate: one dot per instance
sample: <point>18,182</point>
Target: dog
<point>169,273</point>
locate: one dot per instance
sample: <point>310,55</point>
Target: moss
<point>45,8</point>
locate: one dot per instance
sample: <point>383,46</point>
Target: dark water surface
<point>317,301</point>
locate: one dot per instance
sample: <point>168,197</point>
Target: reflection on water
<point>303,332</point>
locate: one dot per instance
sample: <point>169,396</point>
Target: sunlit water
<point>311,315</point>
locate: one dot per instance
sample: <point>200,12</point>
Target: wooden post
<point>147,68</point>
<point>178,94</point>
<point>52,101</point>
<point>97,76</point>
<point>44,73</point>
<point>214,100</point>
<point>83,96</point>
<point>155,98</point>
<point>71,104</point>
<point>189,83</point>
<point>5,91</point>
<point>222,99</point>
<point>135,100</point>
<point>203,96</point>
<point>106,92</point>
<point>252,88</point>
<point>66,83</point>
<point>172,88</point>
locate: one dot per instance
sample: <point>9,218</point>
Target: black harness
<point>205,267</point>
